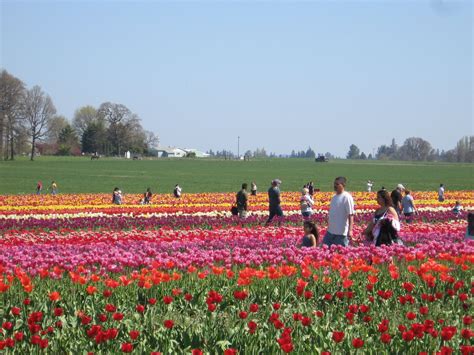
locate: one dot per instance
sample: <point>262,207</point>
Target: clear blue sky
<point>283,75</point>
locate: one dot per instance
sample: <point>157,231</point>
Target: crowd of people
<point>382,230</point>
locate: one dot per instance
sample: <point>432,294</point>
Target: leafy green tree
<point>67,141</point>
<point>354,152</point>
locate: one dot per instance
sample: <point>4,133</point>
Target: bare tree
<point>83,117</point>
<point>119,119</point>
<point>415,148</point>
<point>38,111</point>
<point>152,140</point>
<point>55,125</point>
<point>11,93</point>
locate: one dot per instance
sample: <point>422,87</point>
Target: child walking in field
<point>53,188</point>
<point>39,187</point>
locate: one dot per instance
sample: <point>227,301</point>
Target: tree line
<point>418,149</point>
<point>413,149</point>
<point>28,120</point>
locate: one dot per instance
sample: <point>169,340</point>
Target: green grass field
<point>80,174</point>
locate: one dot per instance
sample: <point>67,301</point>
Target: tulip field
<point>183,276</point>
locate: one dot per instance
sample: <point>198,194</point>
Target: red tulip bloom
<point>445,350</point>
<point>252,326</point>
<point>188,297</point>
<point>16,311</point>
<point>447,333</point>
<point>112,333</point>
<point>276,306</point>
<point>134,334</point>
<point>385,338</point>
<point>197,352</point>
<point>102,317</point>
<point>54,296</point>
<point>337,336</point>
<point>110,308</point>
<point>243,315</point>
<point>467,333</point>
<point>230,351</point>
<point>140,308</point>
<point>35,339</point>
<point>287,347</point>
<point>408,335</point>
<point>107,293</point>
<point>19,336</point>
<point>383,325</point>
<point>152,301</point>
<point>254,307</point>
<point>467,320</point>
<point>319,314</point>
<point>350,316</point>
<point>411,315</point>
<point>357,343</point>
<point>7,325</point>
<point>26,301</point>
<point>297,316</point>
<point>118,316</point>
<point>43,343</point>
<point>408,286</point>
<point>167,299</point>
<point>466,349</point>
<point>240,295</point>
<point>91,289</point>
<point>168,324</point>
<point>58,312</point>
<point>278,324</point>
<point>127,347</point>
<point>347,283</point>
<point>211,307</point>
<point>306,321</point>
<point>424,310</point>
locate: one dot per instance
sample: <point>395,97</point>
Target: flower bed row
<point>339,305</point>
<point>185,221</point>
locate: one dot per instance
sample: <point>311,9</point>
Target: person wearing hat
<point>274,201</point>
<point>397,198</point>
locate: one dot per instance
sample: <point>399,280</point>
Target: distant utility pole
<point>238,147</point>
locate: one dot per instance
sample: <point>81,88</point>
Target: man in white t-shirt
<point>341,215</point>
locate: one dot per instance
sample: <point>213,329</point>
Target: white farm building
<point>172,152</point>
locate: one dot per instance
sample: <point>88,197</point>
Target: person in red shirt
<point>39,187</point>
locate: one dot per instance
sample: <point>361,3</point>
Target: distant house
<point>198,154</point>
<point>172,152</point>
